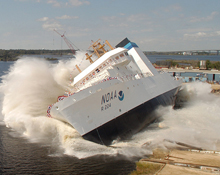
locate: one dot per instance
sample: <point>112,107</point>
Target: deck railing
<point>88,84</point>
<point>102,78</point>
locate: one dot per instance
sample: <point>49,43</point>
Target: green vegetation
<point>161,53</point>
<point>180,53</point>
<point>188,63</point>
<point>5,55</point>
<point>178,63</point>
<point>208,64</point>
<point>212,65</point>
<point>12,55</point>
<point>173,63</point>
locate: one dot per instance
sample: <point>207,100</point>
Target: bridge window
<point>122,55</point>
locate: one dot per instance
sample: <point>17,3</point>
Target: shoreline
<point>179,159</point>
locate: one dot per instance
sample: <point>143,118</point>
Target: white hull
<point>97,105</point>
<point>119,106</point>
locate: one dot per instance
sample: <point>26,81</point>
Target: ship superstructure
<point>116,95</point>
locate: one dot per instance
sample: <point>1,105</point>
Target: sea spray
<point>29,87</point>
<point>196,124</point>
<point>65,71</point>
<point>32,84</point>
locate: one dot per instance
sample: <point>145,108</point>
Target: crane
<point>68,42</point>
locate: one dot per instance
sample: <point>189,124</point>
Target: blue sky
<point>154,25</point>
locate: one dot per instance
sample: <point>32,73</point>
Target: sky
<point>154,25</point>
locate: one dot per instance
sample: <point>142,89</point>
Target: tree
<point>6,55</point>
<point>198,64</point>
<point>208,64</point>
<point>173,63</point>
<point>216,65</point>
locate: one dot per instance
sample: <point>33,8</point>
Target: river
<point>154,58</point>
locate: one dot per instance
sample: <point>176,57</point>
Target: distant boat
<point>115,96</point>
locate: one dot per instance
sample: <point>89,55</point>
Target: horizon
<point>205,50</point>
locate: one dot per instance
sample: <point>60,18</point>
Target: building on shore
<point>190,75</point>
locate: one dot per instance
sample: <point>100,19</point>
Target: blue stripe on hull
<point>131,122</point>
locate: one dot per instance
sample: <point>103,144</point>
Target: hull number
<point>108,97</point>
<point>106,106</point>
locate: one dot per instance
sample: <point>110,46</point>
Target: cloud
<point>54,3</point>
<point>198,35</point>
<point>171,8</point>
<point>108,18</point>
<point>67,17</point>
<point>168,9</point>
<point>124,20</point>
<point>7,34</point>
<point>137,18</point>
<point>217,33</point>
<point>22,0</point>
<point>78,2</point>
<point>43,19</point>
<point>208,18</point>
<point>195,30</point>
<point>28,0</point>
<point>63,3</point>
<point>49,24</point>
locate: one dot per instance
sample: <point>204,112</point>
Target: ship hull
<point>129,123</point>
<point>115,110</point>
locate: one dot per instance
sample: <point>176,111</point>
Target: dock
<point>180,162</point>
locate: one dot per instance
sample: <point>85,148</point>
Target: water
<point>31,143</point>
<point>19,156</point>
<point>154,58</point>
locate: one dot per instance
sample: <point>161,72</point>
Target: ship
<point>116,96</point>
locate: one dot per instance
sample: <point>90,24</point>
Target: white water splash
<point>33,84</point>
<point>197,124</point>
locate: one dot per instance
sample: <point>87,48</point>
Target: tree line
<point>13,54</point>
<point>212,65</point>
